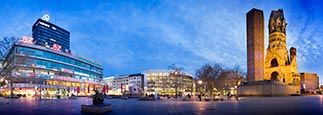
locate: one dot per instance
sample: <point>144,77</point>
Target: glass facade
<point>162,82</point>
<point>165,83</point>
<point>46,33</point>
<point>40,71</point>
<point>54,61</point>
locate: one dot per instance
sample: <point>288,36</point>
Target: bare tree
<point>230,78</point>
<point>208,74</point>
<point>6,44</point>
<point>175,68</point>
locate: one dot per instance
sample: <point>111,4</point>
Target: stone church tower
<point>279,66</point>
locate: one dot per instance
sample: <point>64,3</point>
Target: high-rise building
<point>255,45</point>
<point>51,35</point>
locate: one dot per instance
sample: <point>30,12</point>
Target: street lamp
<point>200,82</point>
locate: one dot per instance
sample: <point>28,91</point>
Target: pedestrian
<point>155,96</point>
<point>237,97</point>
<point>229,96</point>
<point>199,96</point>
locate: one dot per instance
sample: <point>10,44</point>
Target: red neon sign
<point>56,47</point>
<point>27,40</point>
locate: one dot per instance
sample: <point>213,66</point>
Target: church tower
<point>255,45</point>
<point>277,39</point>
<point>278,65</point>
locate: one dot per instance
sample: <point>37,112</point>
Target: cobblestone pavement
<point>298,105</point>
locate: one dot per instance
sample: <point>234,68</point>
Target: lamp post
<point>200,82</point>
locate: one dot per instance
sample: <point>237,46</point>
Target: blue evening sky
<point>131,36</point>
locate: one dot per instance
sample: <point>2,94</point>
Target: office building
<point>163,82</point>
<point>50,35</point>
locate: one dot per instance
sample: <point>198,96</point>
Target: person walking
<point>237,97</point>
<point>229,96</point>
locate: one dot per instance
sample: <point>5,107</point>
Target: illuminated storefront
<point>118,84</point>
<point>163,82</point>
<point>40,71</point>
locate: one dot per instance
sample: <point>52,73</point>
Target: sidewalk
<point>245,106</point>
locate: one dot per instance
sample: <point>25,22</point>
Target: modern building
<point>36,70</point>
<point>48,34</point>
<point>168,82</point>
<point>163,82</point>
<point>120,83</point>
<point>309,82</point>
<point>255,45</point>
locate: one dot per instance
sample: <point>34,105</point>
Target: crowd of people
<point>229,95</point>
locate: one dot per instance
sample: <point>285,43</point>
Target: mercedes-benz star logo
<point>45,17</point>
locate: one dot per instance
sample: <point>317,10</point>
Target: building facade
<point>163,82</point>
<point>279,66</point>
<point>36,70</point>
<point>48,34</point>
<point>309,82</point>
<point>166,82</point>
<point>120,83</point>
<point>255,45</point>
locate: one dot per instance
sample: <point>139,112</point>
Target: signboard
<point>56,47</point>
<point>92,76</point>
<point>38,66</point>
<point>66,70</point>
<point>44,24</point>
<point>27,40</point>
<point>83,74</point>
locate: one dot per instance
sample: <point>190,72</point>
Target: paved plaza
<point>294,105</point>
